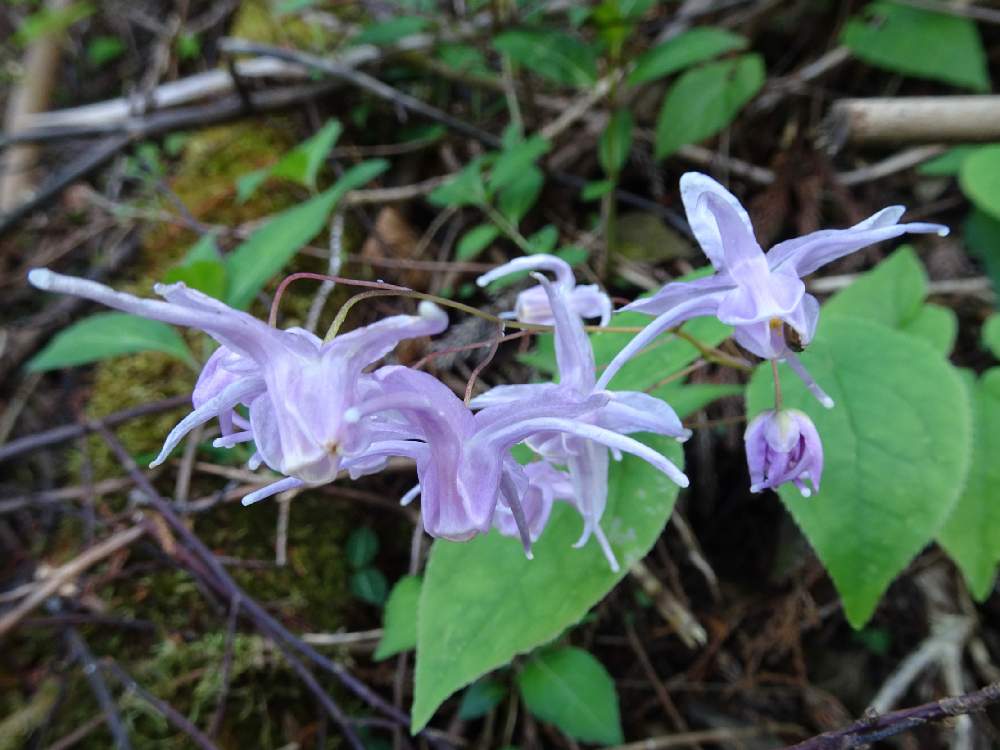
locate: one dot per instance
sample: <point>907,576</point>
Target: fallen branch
<point>66,573</point>
<point>914,119</point>
<point>875,728</point>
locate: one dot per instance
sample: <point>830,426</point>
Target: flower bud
<point>783,446</point>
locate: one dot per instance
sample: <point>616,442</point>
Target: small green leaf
<point>208,276</point>
<point>704,100</point>
<point>464,189</point>
<point>206,248</point>
<point>399,629</point>
<point>615,142</point>
<point>544,240</point>
<point>105,335</point>
<point>362,546</point>
<point>980,179</point>
<point>697,45</point>
<point>103,49</point>
<point>947,164</point>
<point>594,190</point>
<point>559,57</point>
<point>391,31</point>
<point>51,21</point>
<point>475,241</point>
<point>369,585</point>
<point>480,698</point>
<point>512,162</point>
<point>936,325</point>
<point>252,264</point>
<point>913,41</point>
<point>247,184</point>
<point>302,163</point>
<point>982,235</point>
<point>896,448</point>
<point>991,334</point>
<point>571,689</point>
<point>972,535</point>
<point>473,620</point>
<point>517,197</point>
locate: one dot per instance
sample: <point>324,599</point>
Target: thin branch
<point>67,572</point>
<point>81,653</point>
<point>875,728</point>
<point>168,712</point>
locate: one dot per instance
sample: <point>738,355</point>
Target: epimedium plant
<point>871,418</point>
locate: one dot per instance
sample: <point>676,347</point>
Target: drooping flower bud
<point>783,446</point>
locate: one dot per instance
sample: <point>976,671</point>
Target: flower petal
<point>803,255</point>
<point>700,215</point>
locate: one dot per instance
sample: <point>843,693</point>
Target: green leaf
<point>391,31</point>
<point>517,197</point>
<point>896,447</point>
<point>247,184</point>
<point>615,142</point>
<point>208,276</point>
<point>399,629</point>
<point>302,163</point>
<point>51,21</point>
<point>512,162</point>
<point>571,689</point>
<point>369,585</point>
<point>947,164</point>
<point>991,334</point>
<point>917,42</point>
<point>982,235</point>
<point>559,57</point>
<point>937,325</point>
<point>704,100</point>
<point>464,189</point>
<point>480,698</point>
<point>980,179</point>
<point>473,620</point>
<point>475,241</point>
<point>697,45</point>
<point>267,250</point>
<point>544,240</point>
<point>105,335</point>
<point>206,248</point>
<point>972,535</point>
<point>594,190</point>
<point>361,548</point>
<point>103,49</point>
<point>892,293</point>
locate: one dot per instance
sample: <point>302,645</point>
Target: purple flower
<point>296,387</point>
<point>532,305</point>
<point>783,446</point>
<point>757,293</point>
<point>585,460</point>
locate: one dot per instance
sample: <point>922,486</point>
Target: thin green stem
<point>507,228</point>
<point>777,385</point>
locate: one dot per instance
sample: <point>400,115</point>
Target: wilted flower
<point>532,305</point>
<point>296,387</point>
<point>757,293</point>
<point>624,412</point>
<point>783,446</point>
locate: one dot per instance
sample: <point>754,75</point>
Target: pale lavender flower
<point>783,446</point>
<point>532,305</point>
<point>757,293</point>
<point>586,461</point>
<point>296,387</point>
